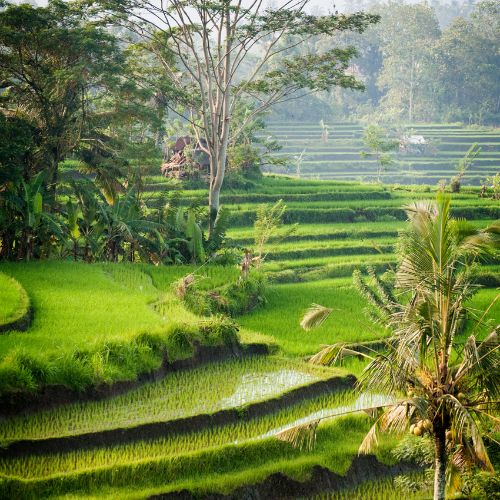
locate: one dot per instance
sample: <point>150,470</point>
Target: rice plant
<point>14,300</point>
<point>217,386</point>
<point>253,430</point>
<point>386,489</point>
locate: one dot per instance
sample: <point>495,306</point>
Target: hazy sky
<point>323,4</point>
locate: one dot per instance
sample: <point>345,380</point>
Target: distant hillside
<point>341,156</point>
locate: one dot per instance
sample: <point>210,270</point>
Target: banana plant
<point>31,219</point>
<point>73,216</point>
<point>124,226</point>
<point>186,222</point>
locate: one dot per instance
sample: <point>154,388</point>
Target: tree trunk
<point>213,203</point>
<point>216,181</point>
<point>52,179</point>
<point>439,462</point>
<point>410,110</point>
<point>86,257</point>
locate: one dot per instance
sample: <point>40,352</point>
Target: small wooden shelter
<point>183,166</point>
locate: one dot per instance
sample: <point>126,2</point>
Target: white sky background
<point>324,5</point>
<point>315,6</point>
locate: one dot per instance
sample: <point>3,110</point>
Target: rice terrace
<point>249,250</point>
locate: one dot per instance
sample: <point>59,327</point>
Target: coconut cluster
<point>419,428</point>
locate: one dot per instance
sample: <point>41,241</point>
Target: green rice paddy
<point>218,386</point>
<point>281,316</point>
<point>138,471</point>
<point>112,322</point>
<point>340,158</point>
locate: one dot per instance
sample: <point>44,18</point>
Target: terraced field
<point>340,158</point>
<point>210,427</point>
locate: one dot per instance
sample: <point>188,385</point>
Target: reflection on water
<point>365,400</point>
<point>255,386</point>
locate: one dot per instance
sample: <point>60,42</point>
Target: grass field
<point>281,316</point>
<point>160,466</point>
<point>220,386</point>
<point>98,324</point>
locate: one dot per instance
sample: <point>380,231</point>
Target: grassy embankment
<point>98,324</point>
<point>13,299</point>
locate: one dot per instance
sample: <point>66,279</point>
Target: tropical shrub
<point>239,296</point>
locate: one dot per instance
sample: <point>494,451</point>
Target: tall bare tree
<point>227,50</point>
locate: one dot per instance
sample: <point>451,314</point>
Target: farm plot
<point>218,386</point>
<point>280,317</point>
<point>341,157</point>
<point>343,226</point>
<point>316,262</point>
<point>219,460</point>
<point>96,324</point>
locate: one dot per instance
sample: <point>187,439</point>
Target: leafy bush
<point>219,330</point>
<point>234,298</point>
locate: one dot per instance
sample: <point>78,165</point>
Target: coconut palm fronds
<point>395,419</point>
<point>465,426</point>
<point>301,436</point>
<point>315,316</point>
<point>335,354</point>
<point>370,441</point>
<point>480,362</point>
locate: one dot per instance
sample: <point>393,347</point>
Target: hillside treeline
<point>417,69</point>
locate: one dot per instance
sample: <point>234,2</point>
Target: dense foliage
<point>418,68</point>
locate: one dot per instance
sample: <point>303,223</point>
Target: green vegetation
<point>121,320</point>
<point>14,301</point>
<point>149,231</point>
<point>239,295</point>
<point>218,386</point>
<point>375,490</point>
<point>342,157</point>
<point>97,324</point>
<point>148,465</point>
<point>280,317</point>
<point>445,387</point>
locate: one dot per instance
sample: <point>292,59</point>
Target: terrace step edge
<point>279,486</point>
<point>25,316</point>
<point>20,324</point>
<point>154,430</point>
<point>52,396</point>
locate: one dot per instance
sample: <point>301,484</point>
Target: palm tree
<point>445,385</point>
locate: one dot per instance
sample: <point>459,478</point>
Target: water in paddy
<point>364,400</point>
<point>255,386</point>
